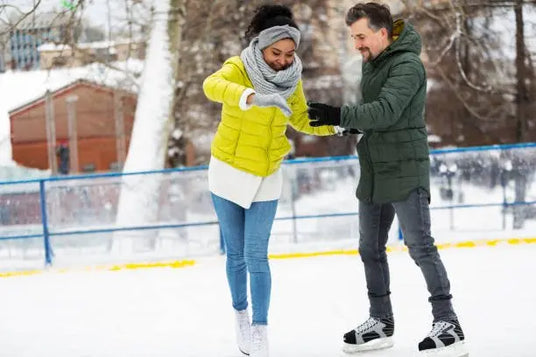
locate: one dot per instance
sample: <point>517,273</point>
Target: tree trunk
<point>140,194</point>
<point>522,99</point>
<point>522,102</point>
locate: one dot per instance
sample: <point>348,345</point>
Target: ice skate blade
<point>455,350</point>
<point>376,344</point>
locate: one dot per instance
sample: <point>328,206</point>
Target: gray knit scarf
<point>265,79</point>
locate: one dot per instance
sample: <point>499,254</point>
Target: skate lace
<point>365,326</point>
<point>438,328</point>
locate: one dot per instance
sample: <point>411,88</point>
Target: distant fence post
<point>46,234</point>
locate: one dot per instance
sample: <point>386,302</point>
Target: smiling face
<point>368,42</point>
<point>280,55</point>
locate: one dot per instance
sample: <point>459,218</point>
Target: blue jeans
<point>246,233</point>
<point>414,216</point>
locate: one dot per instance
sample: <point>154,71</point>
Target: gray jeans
<point>414,217</point>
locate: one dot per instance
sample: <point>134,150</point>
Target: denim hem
<point>259,323</point>
<point>450,317</point>
<point>382,316</point>
<point>241,309</point>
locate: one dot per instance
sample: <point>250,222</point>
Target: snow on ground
<point>186,312</point>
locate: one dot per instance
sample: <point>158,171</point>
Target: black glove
<point>347,132</point>
<point>323,114</point>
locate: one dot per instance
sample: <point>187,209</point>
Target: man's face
<point>369,43</point>
<point>280,55</point>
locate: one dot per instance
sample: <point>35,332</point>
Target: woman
<point>261,92</point>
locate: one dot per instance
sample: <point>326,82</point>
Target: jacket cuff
<point>243,99</point>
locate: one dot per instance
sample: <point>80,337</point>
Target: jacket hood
<point>405,39</point>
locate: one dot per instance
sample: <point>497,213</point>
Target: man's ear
<point>384,33</point>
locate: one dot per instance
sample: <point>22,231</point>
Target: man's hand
<point>271,100</point>
<point>323,114</point>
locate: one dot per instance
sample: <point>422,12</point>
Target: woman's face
<point>280,55</point>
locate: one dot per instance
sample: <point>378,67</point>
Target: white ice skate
<point>242,328</point>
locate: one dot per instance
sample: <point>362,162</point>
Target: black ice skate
<point>373,334</point>
<point>445,340</point>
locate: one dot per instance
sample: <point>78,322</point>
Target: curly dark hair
<point>267,16</point>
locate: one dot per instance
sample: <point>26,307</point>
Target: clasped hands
<point>324,114</point>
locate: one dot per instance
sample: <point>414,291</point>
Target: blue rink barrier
<point>61,210</point>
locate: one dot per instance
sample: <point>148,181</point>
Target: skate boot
<point>445,340</point>
<point>242,328</point>
<point>373,334</point>
<point>259,341</point>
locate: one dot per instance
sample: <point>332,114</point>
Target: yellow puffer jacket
<point>253,140</point>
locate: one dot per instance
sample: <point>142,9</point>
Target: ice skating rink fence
<point>478,194</point>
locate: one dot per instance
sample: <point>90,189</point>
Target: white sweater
<point>241,187</point>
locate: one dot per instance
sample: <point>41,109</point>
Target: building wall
<point>24,46</point>
<point>58,58</point>
<point>5,52</point>
<point>95,127</point>
<point>63,56</point>
<point>95,154</point>
<point>30,33</point>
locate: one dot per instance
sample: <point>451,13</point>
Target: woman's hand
<point>270,100</point>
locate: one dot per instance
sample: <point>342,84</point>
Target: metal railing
<point>62,210</point>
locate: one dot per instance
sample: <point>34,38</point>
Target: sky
<point>96,10</point>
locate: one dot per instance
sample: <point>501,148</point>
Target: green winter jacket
<point>393,152</point>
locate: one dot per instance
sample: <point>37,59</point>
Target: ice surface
<point>186,312</point>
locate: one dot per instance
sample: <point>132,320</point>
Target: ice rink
<point>168,312</point>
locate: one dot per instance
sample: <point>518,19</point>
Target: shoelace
<point>366,325</point>
<point>438,328</point>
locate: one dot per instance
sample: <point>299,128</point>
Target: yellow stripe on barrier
<point>403,248</point>
<point>312,254</point>
<point>186,263</point>
<point>10,274</point>
<point>115,267</point>
<point>133,266</point>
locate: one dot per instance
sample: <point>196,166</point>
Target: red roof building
<point>101,120</point>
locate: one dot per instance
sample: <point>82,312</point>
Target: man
<point>394,159</point>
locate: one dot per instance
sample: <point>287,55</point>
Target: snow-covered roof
<point>50,46</point>
<point>62,89</point>
<point>18,88</point>
<point>43,20</point>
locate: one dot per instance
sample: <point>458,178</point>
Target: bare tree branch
<point>23,16</point>
<point>472,111</point>
<point>487,88</point>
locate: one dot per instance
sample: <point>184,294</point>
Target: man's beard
<point>366,54</point>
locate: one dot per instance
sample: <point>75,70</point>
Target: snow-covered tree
<point>138,203</point>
